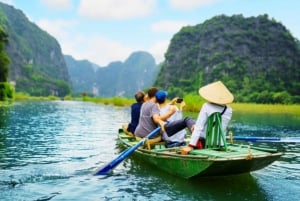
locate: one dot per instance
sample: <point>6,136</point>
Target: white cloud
<point>58,4</point>
<point>158,50</point>
<point>168,26</point>
<point>116,9</point>
<point>9,2</point>
<point>92,47</point>
<point>190,4</point>
<point>96,49</point>
<point>57,28</point>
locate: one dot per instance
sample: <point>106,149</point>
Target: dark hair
<point>160,101</point>
<point>152,91</point>
<point>139,96</point>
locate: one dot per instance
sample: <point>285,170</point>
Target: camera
<point>179,100</point>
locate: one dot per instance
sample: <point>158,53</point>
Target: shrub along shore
<point>193,104</point>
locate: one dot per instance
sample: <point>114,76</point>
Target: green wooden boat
<point>235,159</point>
<point>219,157</point>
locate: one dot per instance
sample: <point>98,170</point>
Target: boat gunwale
<point>166,152</point>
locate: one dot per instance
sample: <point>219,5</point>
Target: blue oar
<point>106,169</point>
<point>266,139</point>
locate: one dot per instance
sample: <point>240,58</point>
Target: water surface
<point>48,151</point>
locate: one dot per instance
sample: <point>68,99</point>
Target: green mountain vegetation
<point>138,72</point>
<point>256,57</point>
<point>37,65</point>
<point>6,90</point>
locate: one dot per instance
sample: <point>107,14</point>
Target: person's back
<point>206,110</point>
<point>135,111</point>
<point>146,124</point>
<point>149,116</point>
<point>135,115</point>
<point>217,96</point>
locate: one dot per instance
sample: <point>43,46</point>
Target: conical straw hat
<point>216,93</point>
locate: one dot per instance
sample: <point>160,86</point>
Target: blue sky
<point>103,31</point>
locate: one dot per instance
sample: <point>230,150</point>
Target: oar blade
<point>267,139</point>
<point>104,170</point>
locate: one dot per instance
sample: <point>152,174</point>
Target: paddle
<point>266,139</point>
<point>106,169</point>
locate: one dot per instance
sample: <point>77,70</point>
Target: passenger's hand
<point>186,150</point>
<point>182,105</point>
<point>162,125</point>
<point>173,101</point>
<point>192,129</point>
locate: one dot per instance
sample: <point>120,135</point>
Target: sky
<point>103,31</point>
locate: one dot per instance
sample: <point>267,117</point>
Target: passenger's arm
<point>171,111</point>
<point>157,119</point>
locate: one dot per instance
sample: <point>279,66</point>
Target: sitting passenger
<point>178,138</point>
<point>135,113</point>
<point>150,119</point>
<point>217,96</point>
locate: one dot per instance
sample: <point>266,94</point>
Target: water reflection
<point>240,187</point>
<point>4,117</point>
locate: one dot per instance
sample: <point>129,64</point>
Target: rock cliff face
<point>256,57</point>
<point>138,72</point>
<point>117,79</point>
<point>82,75</point>
<point>37,63</point>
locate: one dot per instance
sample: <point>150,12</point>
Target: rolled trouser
<point>175,126</point>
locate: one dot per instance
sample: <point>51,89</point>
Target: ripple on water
<point>50,149</point>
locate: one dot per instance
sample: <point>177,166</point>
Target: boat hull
<point>237,159</point>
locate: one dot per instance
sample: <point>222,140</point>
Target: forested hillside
<point>256,57</point>
<point>37,64</point>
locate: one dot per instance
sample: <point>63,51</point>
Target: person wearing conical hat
<point>217,96</point>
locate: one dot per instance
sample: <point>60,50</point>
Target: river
<point>49,150</point>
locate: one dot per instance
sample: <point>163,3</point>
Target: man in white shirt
<point>218,96</point>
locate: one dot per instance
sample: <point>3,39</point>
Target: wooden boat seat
<point>152,142</point>
<point>124,128</point>
<point>215,138</point>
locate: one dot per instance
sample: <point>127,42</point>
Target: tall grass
<point>117,101</point>
<point>193,104</point>
<point>24,96</point>
<point>266,108</point>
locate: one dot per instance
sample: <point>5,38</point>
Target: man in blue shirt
<point>135,111</point>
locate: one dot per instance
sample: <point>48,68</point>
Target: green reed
<point>193,104</point>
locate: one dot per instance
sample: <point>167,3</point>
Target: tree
<point>4,59</point>
<point>6,90</point>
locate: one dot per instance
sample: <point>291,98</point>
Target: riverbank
<point>193,104</point>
